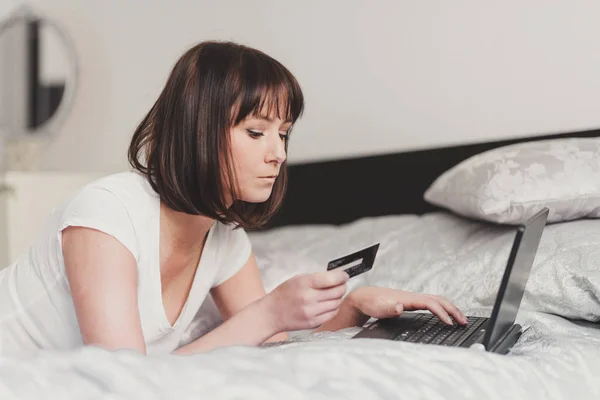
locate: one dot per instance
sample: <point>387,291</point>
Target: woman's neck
<point>183,233</point>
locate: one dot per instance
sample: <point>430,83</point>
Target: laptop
<point>498,333</point>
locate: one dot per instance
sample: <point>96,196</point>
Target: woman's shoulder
<point>127,191</point>
<point>122,182</point>
<point>129,187</point>
<point>120,205</point>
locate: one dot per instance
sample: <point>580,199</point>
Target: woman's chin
<point>258,196</point>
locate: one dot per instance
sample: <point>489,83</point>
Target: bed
<point>334,208</point>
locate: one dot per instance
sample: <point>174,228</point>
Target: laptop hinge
<point>507,340</point>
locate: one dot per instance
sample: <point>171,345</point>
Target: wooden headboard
<point>341,191</point>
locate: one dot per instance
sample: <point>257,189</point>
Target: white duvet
<point>438,253</point>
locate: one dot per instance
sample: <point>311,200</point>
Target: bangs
<point>268,90</point>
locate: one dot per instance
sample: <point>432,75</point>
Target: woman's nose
<point>277,152</point>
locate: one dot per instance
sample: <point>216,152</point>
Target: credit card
<point>360,261</point>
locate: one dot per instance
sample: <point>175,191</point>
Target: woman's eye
<point>254,134</point>
<point>284,136</point>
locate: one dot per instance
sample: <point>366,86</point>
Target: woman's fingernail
<point>399,308</point>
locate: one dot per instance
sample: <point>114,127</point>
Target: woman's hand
<point>306,301</point>
<point>380,302</point>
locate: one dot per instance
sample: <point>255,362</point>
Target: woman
<point>128,260</point>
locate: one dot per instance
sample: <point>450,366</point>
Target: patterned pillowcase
<point>508,185</point>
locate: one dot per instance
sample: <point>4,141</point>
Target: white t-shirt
<point>36,307</point>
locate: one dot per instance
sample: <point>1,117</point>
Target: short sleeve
<point>236,249</point>
<point>102,210</point>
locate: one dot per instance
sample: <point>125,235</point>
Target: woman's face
<point>258,150</point>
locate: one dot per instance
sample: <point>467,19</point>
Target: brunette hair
<point>182,145</point>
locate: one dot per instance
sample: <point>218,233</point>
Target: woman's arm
<point>242,289</point>
<point>251,326</point>
<point>302,302</point>
<point>102,276</point>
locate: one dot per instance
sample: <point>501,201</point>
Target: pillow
<point>509,184</point>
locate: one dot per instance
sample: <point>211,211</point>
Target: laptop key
<point>431,330</point>
<point>403,335</point>
<point>472,328</point>
<point>455,335</point>
<point>478,327</point>
<point>443,335</point>
<point>452,336</point>
<point>416,336</point>
<point>417,324</point>
<point>433,333</point>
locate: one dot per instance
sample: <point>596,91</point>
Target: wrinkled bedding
<point>448,255</point>
<point>556,358</point>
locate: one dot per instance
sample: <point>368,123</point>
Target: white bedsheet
<point>554,359</point>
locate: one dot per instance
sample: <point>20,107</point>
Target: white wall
<point>379,76</point>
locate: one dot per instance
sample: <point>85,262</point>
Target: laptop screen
<point>515,277</point>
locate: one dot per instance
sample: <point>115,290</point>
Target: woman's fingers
<point>328,279</point>
<point>332,293</point>
<point>327,306</point>
<point>321,319</point>
<point>388,310</point>
<point>431,304</point>
<point>440,307</point>
<point>452,310</point>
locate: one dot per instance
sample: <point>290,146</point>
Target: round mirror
<point>38,72</point>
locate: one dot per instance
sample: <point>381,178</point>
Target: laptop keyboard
<point>429,329</point>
